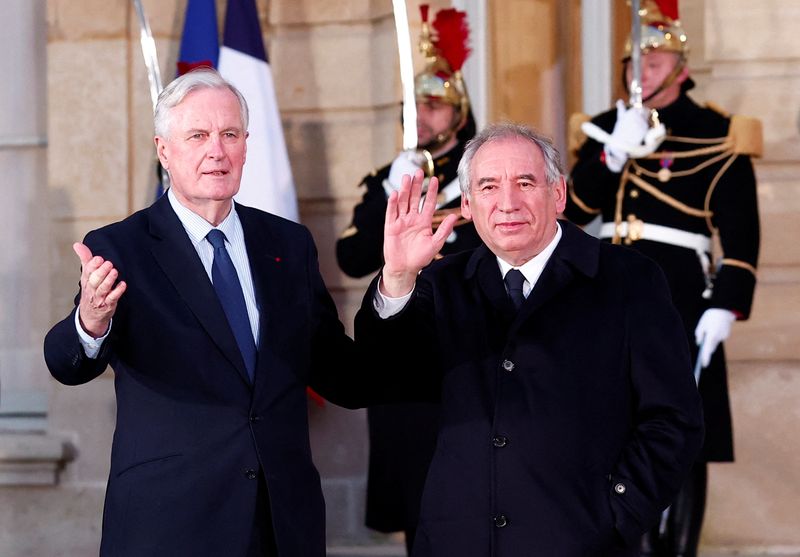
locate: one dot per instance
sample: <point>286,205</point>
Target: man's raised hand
<point>99,293</point>
<point>409,243</point>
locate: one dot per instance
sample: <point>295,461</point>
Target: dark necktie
<point>229,292</point>
<point>514,280</point>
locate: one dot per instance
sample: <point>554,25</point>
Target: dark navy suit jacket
<point>566,428</point>
<point>192,433</point>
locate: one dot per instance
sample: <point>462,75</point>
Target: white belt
<point>656,233</point>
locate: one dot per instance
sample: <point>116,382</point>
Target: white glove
<point>714,327</point>
<point>629,131</point>
<point>407,162</point>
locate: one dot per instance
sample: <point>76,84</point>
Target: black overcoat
<point>566,428</point>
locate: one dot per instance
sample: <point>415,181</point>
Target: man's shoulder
<point>130,224</point>
<point>609,115</point>
<point>271,221</point>
<point>456,266</point>
<point>626,262</point>
<point>606,119</point>
<point>376,176</point>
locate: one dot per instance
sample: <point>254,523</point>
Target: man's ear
<point>560,194</point>
<point>466,212</point>
<point>161,146</point>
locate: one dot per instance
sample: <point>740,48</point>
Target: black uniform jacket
<point>192,432</point>
<point>710,188</point>
<point>566,428</point>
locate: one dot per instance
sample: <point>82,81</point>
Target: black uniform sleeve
<point>734,205</point>
<point>359,251</point>
<point>591,183</point>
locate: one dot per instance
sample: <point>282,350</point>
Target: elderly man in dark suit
<point>215,318</point>
<point>569,412</point>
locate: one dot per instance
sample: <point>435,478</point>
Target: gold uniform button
<point>634,194</point>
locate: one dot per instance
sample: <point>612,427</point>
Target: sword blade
<point>406,74</point>
<point>698,365</point>
<point>149,53</point>
<point>636,55</point>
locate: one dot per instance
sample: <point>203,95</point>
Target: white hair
<point>509,130</point>
<point>174,93</point>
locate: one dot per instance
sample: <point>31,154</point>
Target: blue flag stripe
<point>200,39</point>
<point>242,29</point>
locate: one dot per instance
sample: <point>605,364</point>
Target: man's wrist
<point>396,284</point>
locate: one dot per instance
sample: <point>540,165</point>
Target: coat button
<point>250,474</point>
<point>508,365</point>
<point>500,441</point>
<point>620,488</point>
<point>500,521</point>
<point>254,418</point>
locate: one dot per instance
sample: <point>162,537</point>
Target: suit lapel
<point>175,254</point>
<point>266,265</point>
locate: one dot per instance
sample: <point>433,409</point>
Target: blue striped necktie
<point>229,292</point>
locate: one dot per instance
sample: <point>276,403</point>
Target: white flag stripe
<point>267,177</point>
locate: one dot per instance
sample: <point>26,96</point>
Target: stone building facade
<point>76,153</point>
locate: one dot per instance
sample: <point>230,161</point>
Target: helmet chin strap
<point>439,141</point>
<point>442,138</point>
<point>669,80</point>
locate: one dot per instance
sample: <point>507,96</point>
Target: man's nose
<point>509,198</point>
<point>215,150</point>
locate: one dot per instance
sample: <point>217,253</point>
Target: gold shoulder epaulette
<point>747,135</point>
<point>349,231</point>
<point>576,138</point>
<point>718,109</point>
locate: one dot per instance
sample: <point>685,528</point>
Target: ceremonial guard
<point>674,180</point>
<point>403,437</point>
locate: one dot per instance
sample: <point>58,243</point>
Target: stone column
<point>27,455</point>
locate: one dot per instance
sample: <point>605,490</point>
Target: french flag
<point>267,182</point>
<point>200,39</point>
<point>267,177</point>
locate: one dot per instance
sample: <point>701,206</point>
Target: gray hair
<point>509,130</point>
<point>173,94</point>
